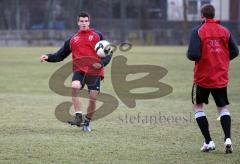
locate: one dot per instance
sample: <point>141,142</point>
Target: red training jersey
<point>82,45</point>
<point>211,71</point>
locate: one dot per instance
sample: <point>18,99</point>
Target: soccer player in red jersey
<point>87,67</point>
<point>211,47</point>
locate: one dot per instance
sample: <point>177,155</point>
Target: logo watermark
<point>119,71</point>
<point>153,119</point>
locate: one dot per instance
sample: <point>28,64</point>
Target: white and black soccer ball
<point>103,48</point>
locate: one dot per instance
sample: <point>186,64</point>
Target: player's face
<point>83,23</point>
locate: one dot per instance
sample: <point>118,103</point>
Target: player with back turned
<point>211,47</point>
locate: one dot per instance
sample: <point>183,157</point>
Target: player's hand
<point>43,58</point>
<point>97,65</point>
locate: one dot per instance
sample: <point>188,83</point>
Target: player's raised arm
<point>60,55</point>
<point>106,60</point>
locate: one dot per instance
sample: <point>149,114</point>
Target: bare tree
<point>185,22</point>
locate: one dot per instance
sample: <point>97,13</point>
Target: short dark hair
<point>83,14</point>
<point>208,11</point>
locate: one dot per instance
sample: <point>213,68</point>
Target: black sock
<point>87,121</point>
<point>203,125</point>
<point>226,125</point>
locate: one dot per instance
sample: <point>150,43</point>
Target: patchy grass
<point>159,130</point>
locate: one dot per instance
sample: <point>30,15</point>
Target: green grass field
<point>30,132</point>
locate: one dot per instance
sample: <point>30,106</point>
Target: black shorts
<point>200,95</point>
<point>92,82</point>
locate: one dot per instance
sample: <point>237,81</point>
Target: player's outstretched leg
<point>202,122</point>
<point>225,120</point>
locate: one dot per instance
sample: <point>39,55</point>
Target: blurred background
<point>141,22</point>
<point>29,129</point>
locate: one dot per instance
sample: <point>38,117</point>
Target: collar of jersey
<point>83,32</point>
<point>212,21</point>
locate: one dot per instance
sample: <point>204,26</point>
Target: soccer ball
<point>102,48</point>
